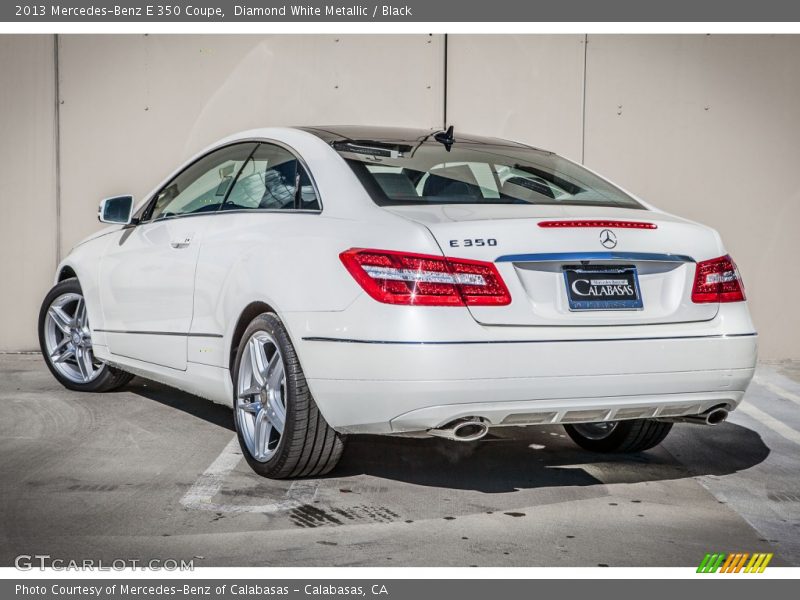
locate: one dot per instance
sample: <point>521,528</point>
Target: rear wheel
<point>280,429</point>
<point>636,435</point>
<point>66,342</point>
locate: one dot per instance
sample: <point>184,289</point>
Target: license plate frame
<point>602,276</point>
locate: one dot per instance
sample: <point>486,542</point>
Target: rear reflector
<point>717,280</point>
<point>589,223</point>
<point>421,279</point>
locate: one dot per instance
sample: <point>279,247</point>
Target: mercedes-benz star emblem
<point>608,239</point>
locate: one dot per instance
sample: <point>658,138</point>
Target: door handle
<point>183,243</point>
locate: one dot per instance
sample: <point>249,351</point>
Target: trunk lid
<point>532,259</point>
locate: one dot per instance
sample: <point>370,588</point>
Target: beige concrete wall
<point>704,126</point>
<point>135,107</point>
<point>522,87</point>
<point>27,185</point>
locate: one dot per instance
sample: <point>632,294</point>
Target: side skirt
<point>210,383</point>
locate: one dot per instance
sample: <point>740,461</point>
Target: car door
<point>271,202</point>
<point>146,277</point>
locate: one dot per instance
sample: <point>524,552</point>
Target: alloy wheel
<point>68,339</point>
<point>261,396</point>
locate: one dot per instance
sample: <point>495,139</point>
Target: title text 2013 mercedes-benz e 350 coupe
<point>332,281</point>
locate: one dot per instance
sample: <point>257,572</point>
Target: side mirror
<point>117,210</point>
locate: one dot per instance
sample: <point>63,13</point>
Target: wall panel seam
<point>583,98</point>
<point>57,134</point>
<point>444,85</point>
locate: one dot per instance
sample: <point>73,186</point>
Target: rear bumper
<point>498,412</point>
<point>380,386</point>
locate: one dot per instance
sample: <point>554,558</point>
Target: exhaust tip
<point>716,416</point>
<point>469,431</point>
<point>462,430</point>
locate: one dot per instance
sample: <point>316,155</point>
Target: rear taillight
<point>717,280</point>
<point>405,278</point>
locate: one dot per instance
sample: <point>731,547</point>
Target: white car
<point>326,281</point>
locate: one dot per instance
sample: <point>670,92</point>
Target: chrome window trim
<point>284,145</point>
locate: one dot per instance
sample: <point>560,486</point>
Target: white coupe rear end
<point>345,280</point>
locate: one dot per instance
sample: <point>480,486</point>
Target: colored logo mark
<point>734,562</point>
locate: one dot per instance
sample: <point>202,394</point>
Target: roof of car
<point>335,133</point>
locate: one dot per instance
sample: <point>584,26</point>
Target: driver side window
<point>201,187</point>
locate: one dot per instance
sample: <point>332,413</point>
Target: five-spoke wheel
<point>65,339</point>
<point>261,396</point>
<point>280,429</point>
<point>68,341</point>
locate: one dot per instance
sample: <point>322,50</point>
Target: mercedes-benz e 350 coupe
<point>326,281</point>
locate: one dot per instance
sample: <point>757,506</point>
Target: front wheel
<point>636,435</point>
<point>66,342</point>
<point>280,429</point>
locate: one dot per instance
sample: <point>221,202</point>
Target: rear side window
<point>272,179</point>
<point>472,173</point>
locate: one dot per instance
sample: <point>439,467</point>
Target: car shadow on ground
<point>524,458</point>
<point>213,413</point>
<point>514,457</point>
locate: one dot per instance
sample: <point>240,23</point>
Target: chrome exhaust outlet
<point>715,416</point>
<point>469,429</point>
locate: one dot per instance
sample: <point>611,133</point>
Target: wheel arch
<point>250,312</point>
<point>66,272</point>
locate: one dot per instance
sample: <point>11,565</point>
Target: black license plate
<point>602,288</point>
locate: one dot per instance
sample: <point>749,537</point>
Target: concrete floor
<point>149,472</point>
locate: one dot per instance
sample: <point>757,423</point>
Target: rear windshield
<point>426,173</point>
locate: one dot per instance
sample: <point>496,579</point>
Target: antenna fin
<point>446,138</point>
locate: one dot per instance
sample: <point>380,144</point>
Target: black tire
<point>308,447</point>
<point>109,378</point>
<point>627,437</point>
